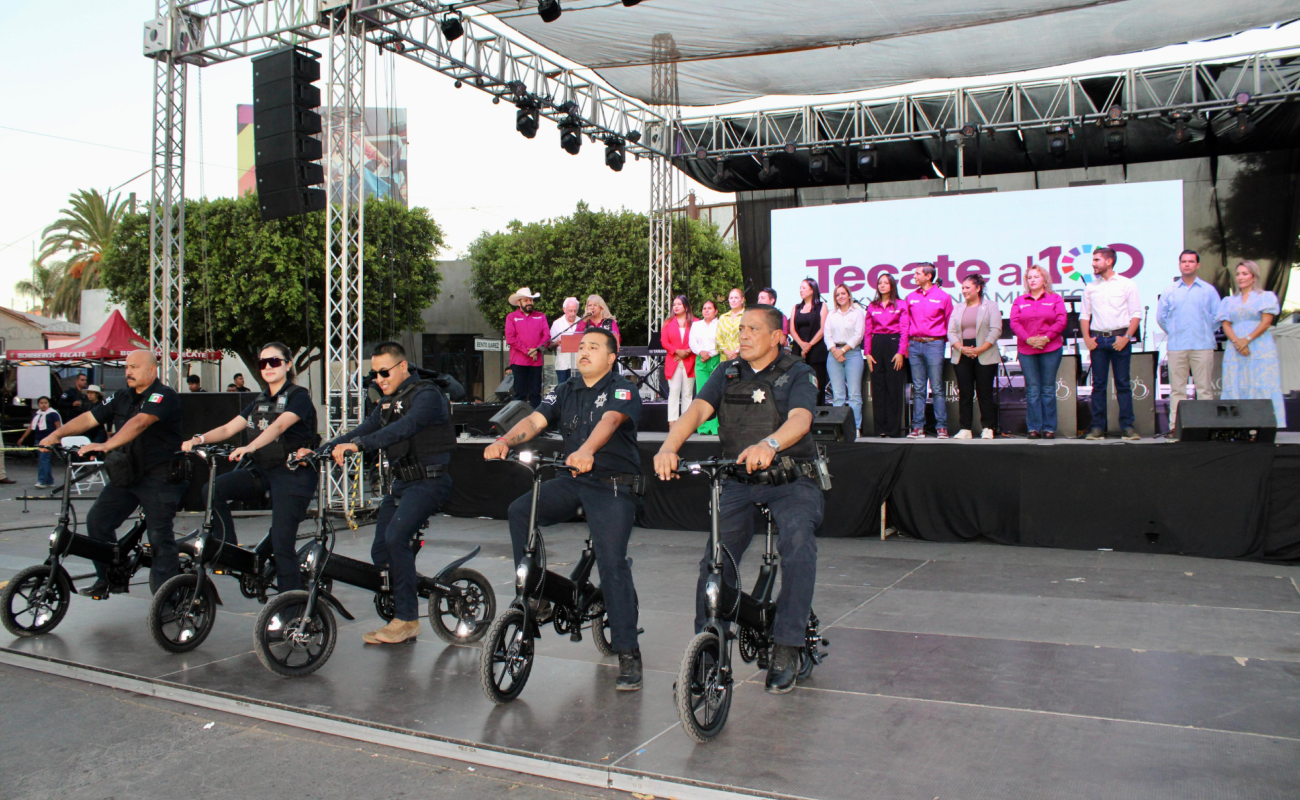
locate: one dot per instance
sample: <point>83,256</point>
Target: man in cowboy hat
<point>527,333</point>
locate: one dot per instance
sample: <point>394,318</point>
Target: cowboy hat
<point>523,292</point>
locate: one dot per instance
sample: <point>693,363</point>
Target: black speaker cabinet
<point>1226,421</point>
<point>833,424</point>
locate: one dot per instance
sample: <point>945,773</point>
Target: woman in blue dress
<point>1250,367</point>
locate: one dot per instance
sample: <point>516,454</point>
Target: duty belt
<point>405,470</point>
<point>802,469</point>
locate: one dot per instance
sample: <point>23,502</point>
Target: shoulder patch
<point>813,380</point>
<point>549,399</point>
<point>156,397</point>
<point>622,394</point>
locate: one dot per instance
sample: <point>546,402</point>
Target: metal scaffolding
<point>167,217</point>
<point>664,179</point>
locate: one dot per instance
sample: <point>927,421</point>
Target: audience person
<point>973,332</point>
<point>885,335</point>
<point>195,384</point>
<point>928,311</point>
<point>809,334</point>
<point>1111,312</point>
<point>845,325</point>
<point>1251,370</point>
<point>239,383</point>
<point>567,323</point>
<point>44,422</point>
<point>1187,313</point>
<point>1038,321</point>
<point>704,344</point>
<point>679,363</point>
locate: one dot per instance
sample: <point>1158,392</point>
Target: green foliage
<point>597,252</point>
<point>244,279</point>
<point>84,231</point>
<point>53,292</point>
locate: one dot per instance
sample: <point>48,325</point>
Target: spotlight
<point>702,153</point>
<point>1058,141</point>
<point>548,10</point>
<point>969,131</point>
<point>518,88</point>
<point>458,84</point>
<point>769,171</point>
<point>817,166</point>
<point>634,136</point>
<point>1115,142</point>
<point>615,154</point>
<point>868,160</point>
<point>571,137</point>
<point>496,101</point>
<point>527,117</point>
<point>789,147</point>
<point>452,27</point>
<point>1182,134</point>
<point>723,173</point>
<point>1242,99</point>
<point>1242,128</point>
<point>1114,118</point>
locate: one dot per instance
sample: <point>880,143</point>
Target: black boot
<point>783,668</point>
<point>96,591</point>
<point>629,671</point>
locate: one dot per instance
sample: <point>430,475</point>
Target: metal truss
<point>167,220</point>
<point>663,179</point>
<point>1204,88</point>
<point>344,104</point>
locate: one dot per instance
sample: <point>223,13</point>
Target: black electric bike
<point>508,650</point>
<point>37,598</point>
<point>296,632</point>
<point>705,680</point>
<point>184,608</point>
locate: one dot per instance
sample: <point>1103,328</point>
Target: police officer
<point>412,425</point>
<point>597,413</point>
<point>73,399</point>
<point>147,417</point>
<point>282,420</point>
<point>765,401</point>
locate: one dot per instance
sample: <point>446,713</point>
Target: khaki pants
<point>1200,365</point>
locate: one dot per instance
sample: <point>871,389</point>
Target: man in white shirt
<point>1110,316</point>
<point>564,362</point>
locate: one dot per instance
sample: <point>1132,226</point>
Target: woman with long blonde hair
<point>1251,370</point>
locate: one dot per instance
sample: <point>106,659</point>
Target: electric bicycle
<point>508,650</point>
<point>296,632</point>
<point>37,598</point>
<point>706,679</point>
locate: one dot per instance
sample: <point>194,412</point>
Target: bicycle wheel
<point>30,605</point>
<point>462,620</point>
<point>600,634</point>
<point>703,692</point>
<point>179,617</point>
<point>289,643</point>
<point>507,658</point>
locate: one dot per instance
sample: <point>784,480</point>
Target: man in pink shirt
<point>527,333</point>
<point>928,310</point>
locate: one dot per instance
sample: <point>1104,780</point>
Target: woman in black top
<point>807,324</point>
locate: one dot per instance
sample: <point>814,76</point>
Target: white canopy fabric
<point>731,50</point>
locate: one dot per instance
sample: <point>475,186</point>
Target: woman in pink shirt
<point>1038,320</point>
<point>885,339</point>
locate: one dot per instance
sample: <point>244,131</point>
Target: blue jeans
<point>159,500</point>
<point>562,376</point>
<point>291,494</point>
<point>1105,359</point>
<point>926,359</point>
<point>1040,389</point>
<point>528,383</point>
<point>401,514</point>
<point>850,371</point>
<point>44,473</point>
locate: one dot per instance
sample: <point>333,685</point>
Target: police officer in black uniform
<point>765,401</point>
<point>282,420</point>
<point>597,411</point>
<point>412,425</point>
<point>147,416</point>
<point>72,401</point>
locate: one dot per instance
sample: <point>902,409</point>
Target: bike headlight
<point>311,558</point>
<point>198,546</point>
<point>54,536</point>
<point>713,591</point>
<point>521,575</point>
<point>525,456</point>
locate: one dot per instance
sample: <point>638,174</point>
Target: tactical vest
<point>750,413</point>
<point>428,441</point>
<point>265,412</point>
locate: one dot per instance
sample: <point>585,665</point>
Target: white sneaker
<point>963,434</point>
<point>987,434</point>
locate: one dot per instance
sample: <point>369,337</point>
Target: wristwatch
<point>773,443</point>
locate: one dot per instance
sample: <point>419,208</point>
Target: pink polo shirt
<point>525,332</point>
<point>928,311</point>
<point>887,319</point>
<point>1042,317</point>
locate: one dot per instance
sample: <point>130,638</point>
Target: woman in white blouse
<point>703,341</point>
<point>843,336</point>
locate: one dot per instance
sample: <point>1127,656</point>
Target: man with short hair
<point>928,309</point>
<point>147,418</point>
<point>767,297</point>
<point>765,401</point>
<point>564,325</point>
<point>72,401</point>
<point>1111,312</point>
<point>597,413</point>
<point>527,334</point>
<point>195,384</point>
<point>1186,313</point>
<point>239,383</point>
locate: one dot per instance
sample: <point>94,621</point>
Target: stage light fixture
<point>615,153</point>
<point>517,88</point>
<point>633,136</point>
<point>458,84</point>
<point>1243,127</point>
<point>969,131</point>
<point>789,148</point>
<point>868,160</point>
<point>1242,99</point>
<point>769,171</point>
<point>818,163</point>
<point>549,10</point>
<point>723,173</point>
<point>1182,134</point>
<point>1058,141</point>
<point>496,101</point>
<point>527,118</point>
<point>630,3</point>
<point>702,153</point>
<point>452,27</point>
<point>571,137</point>
<point>1116,140</point>
<point>1114,117</point>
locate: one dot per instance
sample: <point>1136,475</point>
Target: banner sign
<point>996,235</point>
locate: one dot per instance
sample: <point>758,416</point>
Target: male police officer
<point>412,425</point>
<point>147,417</point>
<point>598,415</point>
<point>765,401</point>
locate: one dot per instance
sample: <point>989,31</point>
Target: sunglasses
<point>270,363</point>
<point>383,373</point>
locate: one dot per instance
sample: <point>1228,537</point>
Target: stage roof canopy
<point>732,50</point>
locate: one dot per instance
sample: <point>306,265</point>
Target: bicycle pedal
<point>640,631</point>
<point>576,636</point>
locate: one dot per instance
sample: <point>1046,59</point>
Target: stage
<point>955,670</point>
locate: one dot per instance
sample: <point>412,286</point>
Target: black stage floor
<point>956,671</point>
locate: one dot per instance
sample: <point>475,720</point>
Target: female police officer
<point>284,420</point>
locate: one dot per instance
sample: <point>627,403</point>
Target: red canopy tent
<point>110,343</point>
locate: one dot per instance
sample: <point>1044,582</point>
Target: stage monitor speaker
<point>1226,421</point>
<point>286,132</point>
<point>833,424</point>
<point>515,411</point>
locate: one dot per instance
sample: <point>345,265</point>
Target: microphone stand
<point>566,330</point>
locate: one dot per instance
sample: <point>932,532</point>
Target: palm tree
<point>85,230</point>
<point>44,286</point>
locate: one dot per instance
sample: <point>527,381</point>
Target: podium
<point>1142,379</point>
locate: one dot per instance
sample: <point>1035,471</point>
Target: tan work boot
<point>395,632</point>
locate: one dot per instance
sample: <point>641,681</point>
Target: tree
<point>597,252</point>
<point>248,282</point>
<point>84,231</point>
<point>53,294</point>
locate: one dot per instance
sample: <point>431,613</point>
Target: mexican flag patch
<point>622,394</point>
<point>155,398</point>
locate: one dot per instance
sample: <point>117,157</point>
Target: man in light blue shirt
<point>1186,314</point>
